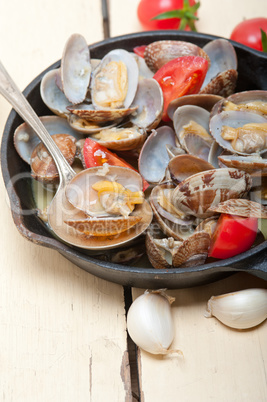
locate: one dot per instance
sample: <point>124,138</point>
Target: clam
<point>215,151</point>
<point>161,52</point>
<point>88,112</point>
<point>167,252</point>
<point>222,75</point>
<point>248,101</point>
<point>191,124</point>
<point>183,166</point>
<point>75,69</point>
<point>25,139</point>
<point>149,99</point>
<point>121,138</point>
<point>253,164</point>
<point>172,221</point>
<point>206,101</point>
<point>85,127</point>
<point>42,164</point>
<point>51,94</point>
<point>144,70</point>
<point>240,131</point>
<point>196,194</point>
<point>114,81</point>
<point>113,201</point>
<point>154,158</point>
<point>83,196</point>
<point>241,207</point>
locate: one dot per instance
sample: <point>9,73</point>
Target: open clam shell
<point>99,222</point>
<point>88,112</point>
<point>149,99</point>
<point>25,139</point>
<point>81,195</point>
<point>167,253</point>
<point>85,127</point>
<point>153,159</point>
<point>222,75</point>
<point>144,70</point>
<point>206,101</point>
<point>161,52</point>
<point>196,194</point>
<point>251,164</point>
<point>75,68</point>
<point>121,138</point>
<point>248,101</point>
<point>241,207</point>
<point>178,227</point>
<point>195,141</point>
<point>105,88</point>
<point>51,94</point>
<point>233,119</point>
<point>215,151</point>
<point>183,166</point>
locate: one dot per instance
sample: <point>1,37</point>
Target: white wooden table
<point>62,330</point>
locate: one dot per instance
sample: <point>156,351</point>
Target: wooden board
<point>219,363</point>
<point>61,329</point>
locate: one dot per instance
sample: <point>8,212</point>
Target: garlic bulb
<point>243,309</point>
<point>150,323</point>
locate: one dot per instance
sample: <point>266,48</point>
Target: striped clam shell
<point>241,207</point>
<point>196,194</point>
<point>166,252</point>
<point>161,52</point>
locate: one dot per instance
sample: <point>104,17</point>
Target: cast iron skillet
<point>252,67</point>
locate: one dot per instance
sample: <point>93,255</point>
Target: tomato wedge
<point>233,235</point>
<point>95,154</point>
<point>181,76</point>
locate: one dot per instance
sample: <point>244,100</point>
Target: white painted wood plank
<point>215,17</point>
<point>219,364</point>
<point>62,330</point>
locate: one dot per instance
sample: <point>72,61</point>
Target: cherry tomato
<point>181,76</point>
<point>140,50</point>
<point>96,155</point>
<point>248,32</point>
<point>148,9</point>
<point>233,235</point>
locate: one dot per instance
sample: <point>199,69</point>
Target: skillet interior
<point>252,75</point>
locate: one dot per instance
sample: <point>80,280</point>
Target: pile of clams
<point>209,158</point>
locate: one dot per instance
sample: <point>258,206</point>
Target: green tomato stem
<point>186,15</point>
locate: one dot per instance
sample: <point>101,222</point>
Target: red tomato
<point>148,9</point>
<point>248,32</point>
<point>181,76</point>
<point>233,235</point>
<point>96,155</point>
<point>140,50</point>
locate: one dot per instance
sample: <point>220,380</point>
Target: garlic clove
<point>241,310</point>
<point>150,322</point>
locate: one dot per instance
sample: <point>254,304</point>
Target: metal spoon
<point>60,208</point>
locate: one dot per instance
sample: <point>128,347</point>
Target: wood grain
<point>61,329</point>
<point>219,363</point>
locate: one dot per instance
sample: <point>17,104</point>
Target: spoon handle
<point>14,96</point>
